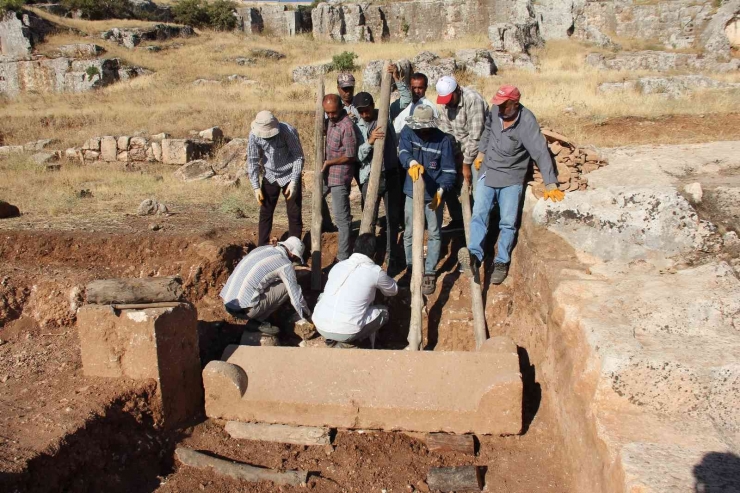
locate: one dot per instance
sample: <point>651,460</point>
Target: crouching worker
<point>345,314</point>
<point>426,152</point>
<point>262,282</point>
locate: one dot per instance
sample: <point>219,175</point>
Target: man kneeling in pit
<point>344,314</point>
<point>262,282</point>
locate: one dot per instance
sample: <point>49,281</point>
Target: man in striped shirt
<point>339,167</point>
<point>275,151</point>
<point>263,281</point>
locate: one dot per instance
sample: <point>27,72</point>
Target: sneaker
<point>500,271</point>
<point>329,228</point>
<point>339,345</point>
<point>429,284</point>
<point>453,227</point>
<point>469,264</point>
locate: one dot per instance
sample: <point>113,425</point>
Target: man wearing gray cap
<point>427,153</point>
<point>346,90</point>
<point>274,151</point>
<point>263,281</point>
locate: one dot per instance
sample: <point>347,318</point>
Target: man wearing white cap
<point>263,281</point>
<point>275,152</point>
<point>511,139</point>
<point>463,116</point>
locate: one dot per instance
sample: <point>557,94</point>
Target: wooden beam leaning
<point>239,470</point>
<point>417,299</point>
<point>376,168</point>
<point>134,290</point>
<point>476,292</point>
<point>318,189</point>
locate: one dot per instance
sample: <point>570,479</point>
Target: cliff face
<point>669,24</point>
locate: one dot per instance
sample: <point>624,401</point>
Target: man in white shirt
<point>410,98</point>
<point>344,314</point>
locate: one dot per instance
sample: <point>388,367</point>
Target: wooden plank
<point>318,189</point>
<point>476,292</point>
<point>417,249</point>
<point>376,167</point>
<point>445,442</point>
<point>135,290</point>
<point>239,470</point>
<point>298,435</point>
<point>463,478</point>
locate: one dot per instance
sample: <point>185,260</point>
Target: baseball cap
<point>363,100</point>
<point>506,93</point>
<point>446,85</point>
<point>345,80</point>
<point>423,117</point>
<point>294,246</point>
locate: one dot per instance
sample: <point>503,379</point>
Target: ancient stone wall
<point>275,19</point>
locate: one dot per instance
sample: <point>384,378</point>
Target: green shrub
<point>344,62</point>
<point>100,9</point>
<point>221,15</point>
<point>92,72</point>
<point>218,15</point>
<point>14,5</point>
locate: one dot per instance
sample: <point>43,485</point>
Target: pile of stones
<point>572,163</point>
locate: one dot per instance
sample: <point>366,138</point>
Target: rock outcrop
<point>20,32</point>
<point>306,74</point>
<point>668,87</point>
<point>62,74</point>
<point>130,37</point>
<point>274,19</point>
<point>659,61</point>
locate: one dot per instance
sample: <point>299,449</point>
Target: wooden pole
<point>298,435</point>
<point>417,300</point>
<point>318,189</point>
<point>462,478</point>
<point>239,470</point>
<point>476,292</point>
<point>444,442</point>
<point>376,168</point>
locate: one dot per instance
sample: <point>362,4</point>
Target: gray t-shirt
<point>508,151</point>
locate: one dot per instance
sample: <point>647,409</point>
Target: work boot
<point>429,284</point>
<point>330,343</point>
<point>500,271</point>
<point>454,226</point>
<point>469,264</point>
<point>329,228</point>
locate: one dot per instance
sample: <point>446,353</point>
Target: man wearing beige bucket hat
<point>275,153</point>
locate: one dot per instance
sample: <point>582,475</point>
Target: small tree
<point>344,62</point>
<point>191,12</point>
<point>221,15</point>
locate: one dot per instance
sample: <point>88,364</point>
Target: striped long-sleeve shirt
<point>281,157</point>
<point>466,122</point>
<point>255,273</point>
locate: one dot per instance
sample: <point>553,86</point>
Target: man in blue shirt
<point>427,153</point>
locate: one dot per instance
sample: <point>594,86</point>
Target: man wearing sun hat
<point>463,116</point>
<point>511,138</point>
<point>263,281</point>
<point>427,153</point>
<point>274,151</point>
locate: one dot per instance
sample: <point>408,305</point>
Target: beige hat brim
<point>264,131</point>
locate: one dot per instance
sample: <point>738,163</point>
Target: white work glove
<point>258,195</point>
<point>290,191</point>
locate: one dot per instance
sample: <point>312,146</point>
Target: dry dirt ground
<point>60,430</point>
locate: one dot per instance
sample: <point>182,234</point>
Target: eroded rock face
<point>626,222</point>
<point>306,74</point>
<point>659,61</point>
<point>20,32</point>
<point>669,87</point>
<point>62,74</point>
<point>131,37</point>
<point>723,31</point>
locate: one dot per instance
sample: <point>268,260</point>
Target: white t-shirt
<point>400,120</point>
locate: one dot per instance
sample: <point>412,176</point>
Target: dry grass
<point>167,101</point>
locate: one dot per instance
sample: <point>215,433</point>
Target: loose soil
<point>89,433</point>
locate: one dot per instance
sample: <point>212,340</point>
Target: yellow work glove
<point>478,161</point>
<point>258,195</point>
<point>436,200</point>
<point>552,193</point>
<point>415,170</point>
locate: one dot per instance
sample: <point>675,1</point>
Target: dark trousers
<point>388,191</point>
<point>271,193</point>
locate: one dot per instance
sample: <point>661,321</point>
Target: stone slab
<point>456,392</point>
<point>153,343</point>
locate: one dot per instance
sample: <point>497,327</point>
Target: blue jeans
<point>508,204</point>
<point>434,243</point>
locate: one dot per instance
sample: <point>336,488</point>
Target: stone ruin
<point>274,19</point>
<point>132,36</point>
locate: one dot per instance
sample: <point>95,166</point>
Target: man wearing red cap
<point>510,139</point>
